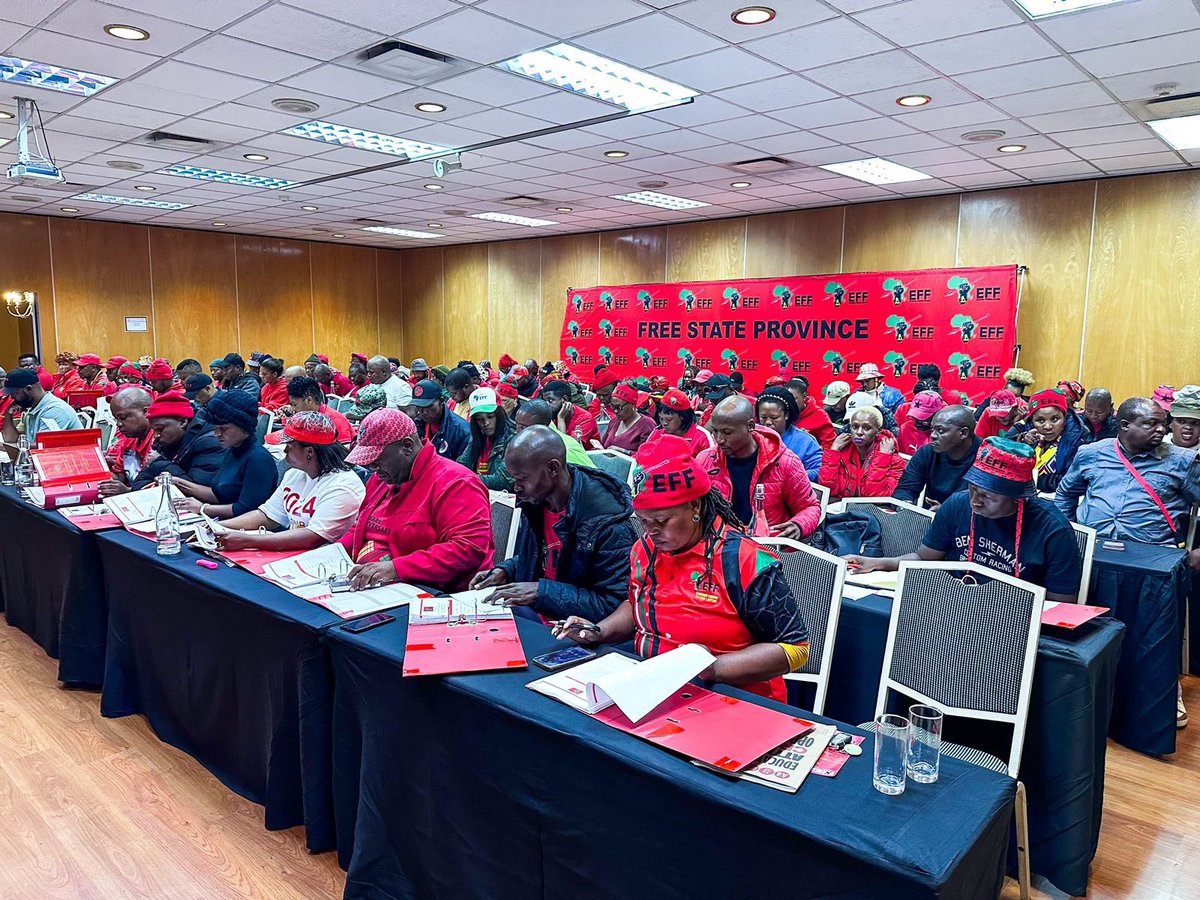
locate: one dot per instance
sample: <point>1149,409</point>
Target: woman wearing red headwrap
<point>1055,434</point>
<point>628,429</point>
<point>697,579</point>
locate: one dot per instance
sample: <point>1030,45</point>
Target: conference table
<point>1063,763</point>
<point>475,786</point>
<point>50,587</point>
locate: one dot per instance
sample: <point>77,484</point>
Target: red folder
<point>85,399</point>
<point>89,521</point>
<point>722,731</point>
<point>70,475</point>
<point>254,561</point>
<point>72,437</point>
<point>1070,615</point>
<point>450,649</point>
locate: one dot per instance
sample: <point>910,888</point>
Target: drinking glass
<point>924,743</point>
<point>891,752</point>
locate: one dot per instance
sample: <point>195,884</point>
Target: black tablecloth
<point>218,661</point>
<point>51,587</point>
<point>474,786</point>
<point>1146,587</point>
<point>1063,763</point>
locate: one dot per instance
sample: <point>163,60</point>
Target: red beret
<point>626,392</point>
<point>507,361</point>
<point>666,474</point>
<point>676,399</point>
<point>172,403</point>
<point>604,379</point>
<point>159,369</point>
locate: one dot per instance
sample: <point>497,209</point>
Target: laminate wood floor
<point>100,808</point>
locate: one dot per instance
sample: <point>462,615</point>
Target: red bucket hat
<point>507,390</point>
<point>115,362</point>
<point>1072,389</point>
<point>172,403</point>
<point>507,361</point>
<point>1003,467</point>
<point>666,474</point>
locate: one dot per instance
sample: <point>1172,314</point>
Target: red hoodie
<point>788,494</point>
<point>816,422</point>
<point>436,528</point>
<point>846,474</point>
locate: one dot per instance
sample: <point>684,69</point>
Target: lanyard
<point>1137,476</point>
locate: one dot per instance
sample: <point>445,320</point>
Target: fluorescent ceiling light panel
<point>130,201</point>
<point>365,140</point>
<point>662,201</point>
<point>508,219</point>
<point>876,171</point>
<point>1181,132</point>
<point>583,72</point>
<point>27,73</point>
<point>202,174</point>
<point>1040,9</point>
<point>400,232</point>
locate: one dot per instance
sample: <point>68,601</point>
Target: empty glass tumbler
<point>924,743</point>
<point>891,754</point>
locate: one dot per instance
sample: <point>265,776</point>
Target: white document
<point>881,581</point>
<point>571,685</point>
<point>469,605</point>
<point>854,592</point>
<point>311,567</point>
<point>137,507</point>
<point>352,604</point>
<point>641,688</point>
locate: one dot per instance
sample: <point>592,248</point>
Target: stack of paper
<point>464,606</point>
<point>138,509</point>
<point>786,767</point>
<point>880,581</point>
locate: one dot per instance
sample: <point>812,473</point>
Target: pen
<point>562,626</point>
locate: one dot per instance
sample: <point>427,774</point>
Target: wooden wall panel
<point>391,305</point>
<point>706,251</point>
<point>570,261</point>
<point>465,275</point>
<point>101,275</point>
<point>345,314</point>
<point>1047,228</point>
<point>920,233</point>
<point>633,257</point>
<point>421,280</point>
<point>515,300</point>
<point>1142,328</point>
<point>275,297</point>
<point>25,266</point>
<point>801,242</point>
<point>194,276</point>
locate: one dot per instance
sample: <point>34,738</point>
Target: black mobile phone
<point>372,621</point>
<point>562,659</point>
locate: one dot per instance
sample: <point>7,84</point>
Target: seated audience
<point>112,374</point>
<point>1001,523</point>
<point>184,444</point>
<point>1074,392</point>
<point>1001,416</point>
<point>862,462</point>
<point>687,381</point>
<point>539,412</point>
<point>418,371</point>
<point>676,416</point>
<point>570,419</point>
<point>458,387</point>
<point>697,578</point>
<point>1015,382</point>
<point>314,504</point>
<point>43,411</point>
<point>160,378</point>
<point>572,551</point>
<point>67,379</point>
<point>367,399</point>
<point>236,378</point>
<point>305,395</point>
<point>253,366</point>
<point>715,389</point>
<point>510,400</point>
<point>216,370</point>
<point>1100,416</point>
<point>914,430</point>
<point>748,455</point>
<point>491,430</point>
<point>89,368</point>
<point>274,393</point>
<point>448,433</point>
<point>357,373</point>
<point>603,386</point>
<point>135,439</point>
<point>379,371</point>
<point>870,381</point>
<point>1185,418</point>
<point>200,389</point>
<point>931,375</point>
<point>424,519</point>
<point>938,467</point>
<point>860,399</point>
<point>629,428</point>
<point>778,410</point>
<point>813,417</point>
<point>837,394</point>
<point>247,474</point>
<point>1055,435</point>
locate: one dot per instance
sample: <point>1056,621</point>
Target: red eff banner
<point>824,327</point>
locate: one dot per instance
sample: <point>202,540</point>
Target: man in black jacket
<point>184,443</point>
<point>572,555</point>
<point>938,467</point>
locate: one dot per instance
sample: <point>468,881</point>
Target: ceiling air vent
<point>365,222</point>
<point>522,200</point>
<point>176,141</point>
<point>1171,106</point>
<point>762,166</point>
<point>409,63</point>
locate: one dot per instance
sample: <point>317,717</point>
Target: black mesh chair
<point>506,520</point>
<point>903,525</point>
<point>1085,540</point>
<point>638,531</point>
<point>963,638</point>
<point>815,578</point>
<point>615,463</point>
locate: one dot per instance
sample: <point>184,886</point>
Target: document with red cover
<point>452,648</point>
<point>91,517</point>
<point>1070,615</point>
<point>254,561</point>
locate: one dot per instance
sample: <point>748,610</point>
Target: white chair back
<point>506,522</point>
<point>1085,540</point>
<point>822,493</point>
<point>615,463</point>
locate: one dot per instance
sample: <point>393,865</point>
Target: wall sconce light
<point>20,304</point>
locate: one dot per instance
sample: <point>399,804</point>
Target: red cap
<point>507,389</point>
<point>358,357</point>
<point>676,399</point>
<point>45,379</point>
<point>115,362</point>
<point>309,428</point>
<point>88,359</point>
<point>323,358</point>
<point>159,369</point>
<point>1002,403</point>
<point>172,403</point>
<point>130,371</point>
<point>1043,399</point>
<point>702,376</point>
<point>507,361</point>
<point>776,381</point>
<point>604,379</point>
<point>519,372</point>
<point>666,474</point>
<point>380,428</point>
<point>626,392</point>
<point>924,405</point>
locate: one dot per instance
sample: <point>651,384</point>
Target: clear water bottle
<point>166,520</point>
<point>761,527</point>
<point>23,471</point>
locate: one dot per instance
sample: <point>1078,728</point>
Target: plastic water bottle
<point>166,520</point>
<point>761,528</point>
<point>23,468</point>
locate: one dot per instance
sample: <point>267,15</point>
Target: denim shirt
<point>1116,505</point>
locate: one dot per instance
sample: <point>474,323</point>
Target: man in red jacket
<point>748,455</point>
<point>813,417</point>
<point>425,519</point>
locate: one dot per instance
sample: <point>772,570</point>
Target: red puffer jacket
<point>846,474</point>
<point>787,492</point>
<point>815,421</point>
